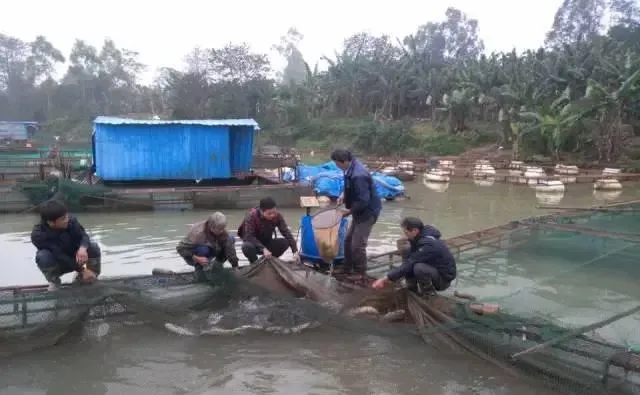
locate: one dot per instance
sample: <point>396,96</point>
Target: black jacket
<point>63,244</point>
<point>429,249</point>
<point>360,193</point>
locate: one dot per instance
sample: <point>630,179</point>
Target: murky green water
<point>141,360</point>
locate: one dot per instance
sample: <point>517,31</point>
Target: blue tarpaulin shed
<point>137,150</point>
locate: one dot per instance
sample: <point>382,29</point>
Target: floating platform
<point>12,200</point>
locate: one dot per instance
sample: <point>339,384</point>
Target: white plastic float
<point>447,166</point>
<point>550,186</point>
<point>436,186</point>
<point>484,182</point>
<point>436,175</point>
<point>568,179</point>
<point>606,196</point>
<point>567,170</point>
<point>515,168</point>
<point>549,198</point>
<point>406,165</point>
<point>533,175</point>
<point>483,169</point>
<point>389,170</point>
<point>567,174</point>
<point>608,182</point>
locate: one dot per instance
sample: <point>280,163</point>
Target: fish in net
<point>271,296</point>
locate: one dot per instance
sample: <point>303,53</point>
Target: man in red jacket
<point>258,229</point>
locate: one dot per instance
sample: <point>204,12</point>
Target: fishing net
<point>326,228</point>
<point>75,194</point>
<point>271,296</point>
<point>557,299</point>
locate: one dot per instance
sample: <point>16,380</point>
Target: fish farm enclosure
<point>552,298</point>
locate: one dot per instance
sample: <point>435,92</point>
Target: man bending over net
<point>428,265</point>
<point>208,244</point>
<point>63,246</point>
<point>257,232</point>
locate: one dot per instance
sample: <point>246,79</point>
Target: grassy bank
<point>389,138</point>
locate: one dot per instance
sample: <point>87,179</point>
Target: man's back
<point>429,249</point>
<point>360,191</point>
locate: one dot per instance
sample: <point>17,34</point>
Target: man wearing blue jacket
<point>363,203</point>
<point>428,262</point>
<point>63,246</point>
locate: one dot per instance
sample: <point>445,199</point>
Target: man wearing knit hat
<point>208,243</point>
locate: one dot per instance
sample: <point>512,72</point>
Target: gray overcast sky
<point>163,32</point>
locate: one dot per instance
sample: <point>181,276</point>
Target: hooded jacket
<point>427,248</point>
<point>360,193</point>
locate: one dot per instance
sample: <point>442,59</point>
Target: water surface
<point>139,359</point>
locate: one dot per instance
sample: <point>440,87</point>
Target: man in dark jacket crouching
<point>63,246</point>
<point>427,264</point>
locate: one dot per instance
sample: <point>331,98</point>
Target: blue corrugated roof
<point>19,122</point>
<point>203,122</point>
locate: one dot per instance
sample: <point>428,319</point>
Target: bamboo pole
<point>596,209</point>
<point>576,332</point>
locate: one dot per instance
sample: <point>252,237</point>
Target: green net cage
<point>555,297</point>
<point>75,194</point>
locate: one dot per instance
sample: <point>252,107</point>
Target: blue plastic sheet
<point>328,180</point>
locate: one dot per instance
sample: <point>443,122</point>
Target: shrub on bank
<point>406,136</point>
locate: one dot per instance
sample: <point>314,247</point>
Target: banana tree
<point>552,122</point>
<point>458,107</point>
<point>608,100</point>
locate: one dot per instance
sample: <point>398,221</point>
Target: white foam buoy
<point>607,184</point>
<point>406,165</point>
<point>568,179</point>
<point>567,170</point>
<point>550,186</point>
<point>484,182</point>
<point>533,175</point>
<point>436,186</point>
<point>609,181</point>
<point>437,175</point>
<point>447,166</point>
<point>515,168</point>
<point>607,195</point>
<point>482,169</point>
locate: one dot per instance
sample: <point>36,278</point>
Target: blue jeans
<point>208,252</point>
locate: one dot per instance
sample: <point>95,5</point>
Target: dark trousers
<point>355,244</point>
<point>427,275</point>
<point>277,246</point>
<point>53,270</point>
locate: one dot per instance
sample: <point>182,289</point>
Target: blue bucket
<point>308,247</point>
